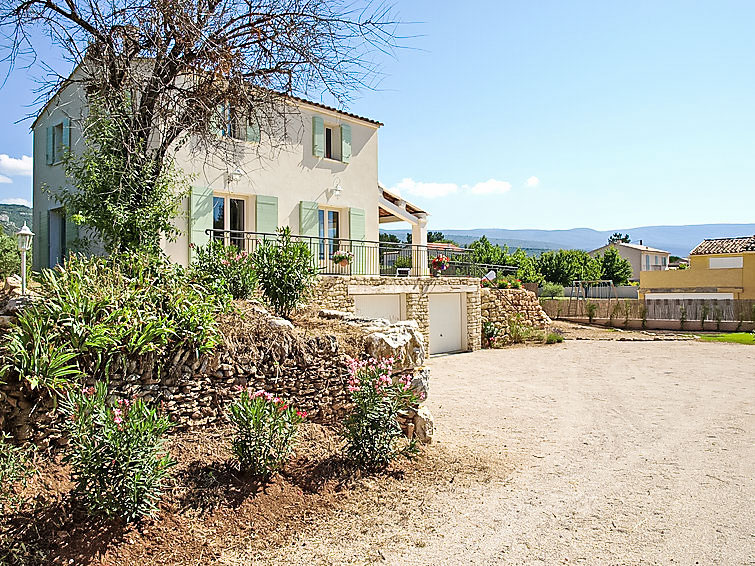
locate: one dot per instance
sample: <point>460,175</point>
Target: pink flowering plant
<point>116,452</point>
<point>266,428</point>
<point>225,269</point>
<point>372,432</point>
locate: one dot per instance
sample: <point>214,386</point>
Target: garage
<point>446,322</point>
<point>378,306</point>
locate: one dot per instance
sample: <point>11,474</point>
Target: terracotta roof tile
<point>725,246</point>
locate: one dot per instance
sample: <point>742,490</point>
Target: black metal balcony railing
<point>370,257</point>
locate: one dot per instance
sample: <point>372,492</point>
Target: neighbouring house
<point>322,183</point>
<point>721,268</point>
<point>643,258</point>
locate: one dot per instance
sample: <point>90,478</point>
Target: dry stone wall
<point>498,305</point>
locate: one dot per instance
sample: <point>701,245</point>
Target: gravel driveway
<point>581,453</point>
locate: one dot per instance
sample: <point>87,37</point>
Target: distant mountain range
<point>13,216</point>
<point>679,240</point>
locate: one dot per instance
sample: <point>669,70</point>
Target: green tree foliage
<point>618,237</point>
<point>565,266</point>
<point>615,267</point>
<point>285,271</point>
<point>126,193</point>
<point>391,238</point>
<point>10,260</point>
<point>484,251</point>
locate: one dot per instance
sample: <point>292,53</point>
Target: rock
<point>12,285</point>
<point>420,383</point>
<point>402,341</point>
<point>424,425</point>
<point>6,321</point>
<point>281,323</point>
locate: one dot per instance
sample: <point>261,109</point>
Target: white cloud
<point>15,167</point>
<point>533,182</point>
<point>4,179</point>
<point>427,190</point>
<point>432,190</point>
<point>489,187</point>
<point>16,201</point>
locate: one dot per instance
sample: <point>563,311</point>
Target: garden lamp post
<point>24,236</point>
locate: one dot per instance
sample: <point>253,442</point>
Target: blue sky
<point>549,114</point>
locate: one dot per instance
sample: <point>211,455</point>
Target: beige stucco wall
<point>701,279</point>
<point>285,170</point>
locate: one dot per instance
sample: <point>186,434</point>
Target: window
<point>228,220</point>
<point>329,231</point>
<point>329,143</point>
<point>663,261</point>
<point>333,142</point>
<point>647,263</point>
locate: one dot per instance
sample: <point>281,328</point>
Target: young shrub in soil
<point>372,432</point>
<point>225,269</point>
<point>592,309</point>
<point>15,469</point>
<point>265,431</point>
<point>116,452</point>
<point>553,338</point>
<point>285,271</point>
<point>491,334</point>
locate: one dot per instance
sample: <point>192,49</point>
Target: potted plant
<point>439,263</point>
<point>343,258</point>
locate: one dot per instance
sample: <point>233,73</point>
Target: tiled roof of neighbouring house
<point>725,246</point>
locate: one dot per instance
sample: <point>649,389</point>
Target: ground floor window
<point>229,220</point>
<point>329,227</point>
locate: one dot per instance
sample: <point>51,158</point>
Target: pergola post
<point>419,238</point>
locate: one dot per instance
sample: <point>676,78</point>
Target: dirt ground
<point>587,452</point>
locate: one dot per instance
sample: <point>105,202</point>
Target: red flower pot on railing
<point>439,263</point>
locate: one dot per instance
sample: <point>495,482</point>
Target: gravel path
<point>590,452</point>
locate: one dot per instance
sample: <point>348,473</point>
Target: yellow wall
<point>699,278</point>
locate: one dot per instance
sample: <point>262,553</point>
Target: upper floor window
<point>331,141</point>
<point>58,141</point>
<point>232,122</point>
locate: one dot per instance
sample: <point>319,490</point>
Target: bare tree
<point>175,70</point>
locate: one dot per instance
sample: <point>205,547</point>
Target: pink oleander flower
<point>88,391</point>
<point>301,414</point>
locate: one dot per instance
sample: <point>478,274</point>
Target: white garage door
<point>445,322</point>
<point>378,306</point>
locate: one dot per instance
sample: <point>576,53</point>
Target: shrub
<point>551,290</point>
<point>644,315</point>
<point>265,431</point>
<point>591,309</point>
<point>491,334</point>
<point>406,261</point>
<point>15,469</point>
<point>682,317</point>
<point>225,270</point>
<point>10,259</point>
<point>285,271</point>
<point>92,311</point>
<point>372,432</point>
<point>553,338</point>
<point>627,312</point>
<point>516,331</point>
<point>116,453</point>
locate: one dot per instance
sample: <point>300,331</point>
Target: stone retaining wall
<point>497,305</point>
<point>337,292</point>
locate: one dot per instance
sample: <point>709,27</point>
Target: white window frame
<point>227,197</point>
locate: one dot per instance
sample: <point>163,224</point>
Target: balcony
<point>387,259</point>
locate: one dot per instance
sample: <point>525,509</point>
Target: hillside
<point>678,240</point>
<point>13,216</point>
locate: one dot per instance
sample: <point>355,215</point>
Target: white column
<point>419,254</point>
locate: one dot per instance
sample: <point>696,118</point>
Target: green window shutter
<point>72,235</point>
<point>67,133</point>
<point>309,223</point>
<point>200,216</point>
<point>266,214</point>
<point>357,231</point>
<point>318,137</point>
<point>252,131</point>
<point>345,143</point>
<point>217,121</point>
<point>49,145</point>
<point>41,240</point>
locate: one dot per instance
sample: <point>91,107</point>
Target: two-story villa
<point>322,183</point>
<point>642,257</point>
<point>721,268</point>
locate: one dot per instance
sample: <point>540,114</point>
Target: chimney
<point>640,242</point>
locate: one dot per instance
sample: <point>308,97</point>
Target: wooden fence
<point>734,310</point>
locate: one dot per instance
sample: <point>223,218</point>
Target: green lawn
<point>735,337</point>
